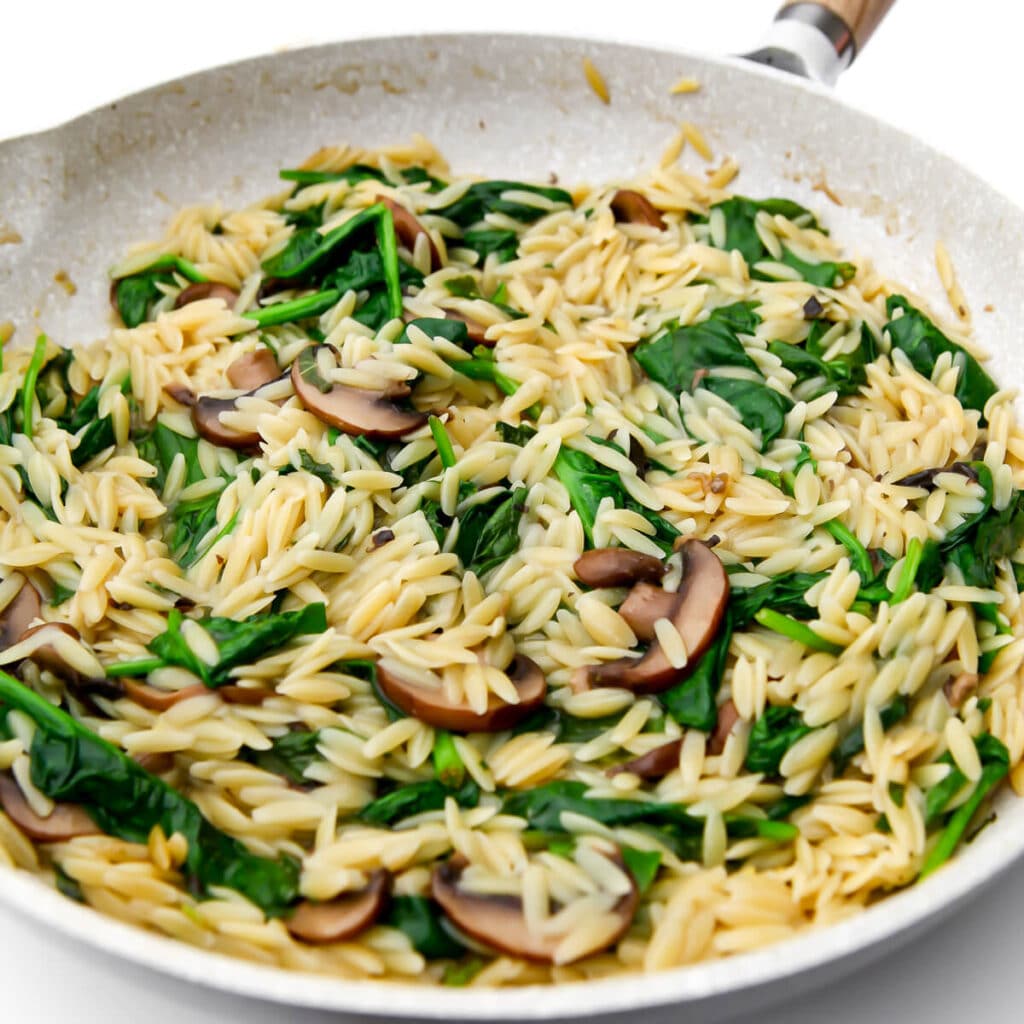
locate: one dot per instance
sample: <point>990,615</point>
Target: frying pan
<point>515,106</point>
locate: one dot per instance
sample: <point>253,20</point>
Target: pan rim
<point>894,917</point>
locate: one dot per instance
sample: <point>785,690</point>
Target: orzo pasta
<point>482,582</point>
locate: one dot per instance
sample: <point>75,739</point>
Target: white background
<point>952,73</point>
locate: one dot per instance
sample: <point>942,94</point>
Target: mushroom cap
<point>632,207</point>
<point>700,604</point>
<point>408,229</point>
<point>19,614</point>
<point>206,290</point>
<point>430,705</point>
<point>617,567</point>
<point>352,410</point>
<point>499,921</point>
<point>206,413</point>
<point>344,917</point>
<point>655,764</point>
<point>253,370</point>
<point>66,821</point>
<point>644,605</point>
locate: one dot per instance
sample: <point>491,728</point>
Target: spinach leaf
<point>309,249</point>
<point>485,197</point>
<point>761,409</point>
<point>97,432</point>
<point>642,865</point>
<point>853,742</point>
<point>681,357</point>
<point>816,375</point>
<point>319,469</point>
<point>353,174</point>
<point>136,294</point>
<point>740,215</point>
<point>588,482</point>
<point>71,763</point>
<point>783,593</point>
<point>519,435</point>
<point>922,342</point>
<point>422,922</point>
<point>239,642</point>
<point>160,445</point>
<point>995,761</point>
<point>66,885</point>
<point>448,765</point>
<point>773,734</point>
<point>289,755</point>
<point>505,244</point>
<point>454,331</point>
<point>489,532</point>
<point>192,522</point>
<point>416,798</point>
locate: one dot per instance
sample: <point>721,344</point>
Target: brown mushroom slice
<point>206,290</point>
<point>19,613</point>
<point>499,921</point>
<point>155,762</point>
<point>617,567</point>
<point>206,413</point>
<point>655,764</point>
<point>430,705</point>
<point>233,694</point>
<point>644,605</point>
<point>353,410</point>
<point>49,657</point>
<point>959,689</point>
<point>408,229</point>
<point>253,370</point>
<point>728,716</point>
<point>160,700</point>
<point>181,393</point>
<point>342,918</point>
<point>66,821</point>
<point>697,613</point>
<point>631,207</point>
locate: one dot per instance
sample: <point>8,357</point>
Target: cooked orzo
<point>482,582</point>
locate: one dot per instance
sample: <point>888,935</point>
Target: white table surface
<point>953,73</point>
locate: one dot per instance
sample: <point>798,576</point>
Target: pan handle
<point>820,38</point>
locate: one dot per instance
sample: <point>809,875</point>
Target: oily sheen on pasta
<point>491,582</point>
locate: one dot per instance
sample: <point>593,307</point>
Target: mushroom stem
<point>617,567</point>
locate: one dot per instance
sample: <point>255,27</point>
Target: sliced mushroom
<point>353,410</point>
<point>344,917</point>
<point>47,655</point>
<point>156,762</point>
<point>728,716</point>
<point>408,229</point>
<point>617,567</point>
<point>181,393</point>
<point>655,764</point>
<point>206,290</point>
<point>499,921</point>
<point>160,700</point>
<point>644,605</point>
<point>233,694</point>
<point>206,413</point>
<point>633,208</point>
<point>19,614</point>
<point>959,689</point>
<point>253,370</point>
<point>66,821</point>
<point>698,609</point>
<point>430,705</point>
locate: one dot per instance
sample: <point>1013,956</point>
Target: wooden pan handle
<point>860,17</point>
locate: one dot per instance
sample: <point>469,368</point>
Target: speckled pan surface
<point>513,106</point>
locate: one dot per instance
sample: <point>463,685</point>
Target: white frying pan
<point>514,106</point>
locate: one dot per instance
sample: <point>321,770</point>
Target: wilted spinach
<point>922,342</point>
<point>136,294</point>
<point>71,763</point>
<point>485,197</point>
